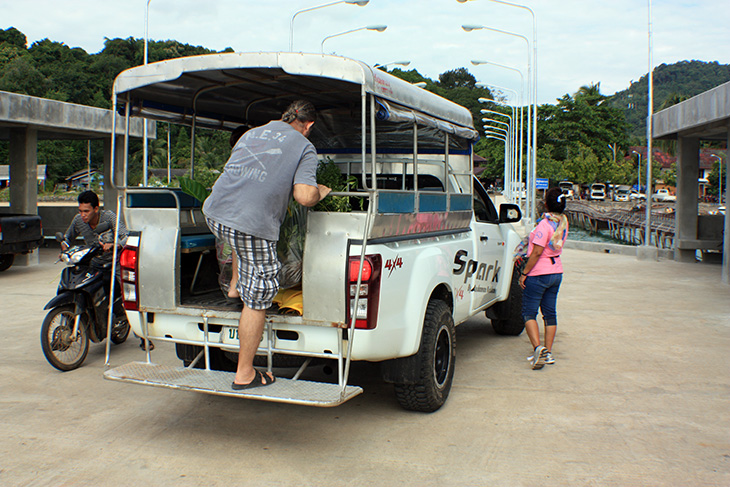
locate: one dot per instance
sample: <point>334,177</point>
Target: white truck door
<point>489,246</point>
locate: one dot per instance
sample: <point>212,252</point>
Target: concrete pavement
<point>639,395</point>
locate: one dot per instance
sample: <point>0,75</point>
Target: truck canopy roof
<point>231,89</point>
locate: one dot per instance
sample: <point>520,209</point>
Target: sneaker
<point>538,358</point>
<point>549,358</point>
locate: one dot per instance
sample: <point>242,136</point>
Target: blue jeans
<point>541,292</point>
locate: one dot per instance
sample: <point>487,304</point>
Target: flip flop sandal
<point>259,380</point>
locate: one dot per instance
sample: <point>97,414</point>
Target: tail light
<point>366,314</point>
<point>130,276</point>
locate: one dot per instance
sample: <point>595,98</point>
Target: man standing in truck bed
<point>268,165</point>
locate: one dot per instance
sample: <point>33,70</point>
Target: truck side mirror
<point>509,213</point>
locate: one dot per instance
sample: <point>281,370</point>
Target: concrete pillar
<point>111,193</point>
<point>24,180</point>
<point>24,171</point>
<point>726,237</point>
<point>685,224</point>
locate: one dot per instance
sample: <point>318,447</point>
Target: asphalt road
<point>639,395</point>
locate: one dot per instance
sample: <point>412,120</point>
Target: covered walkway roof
<point>702,117</point>
<point>54,119</point>
<point>705,116</point>
<point>26,119</point>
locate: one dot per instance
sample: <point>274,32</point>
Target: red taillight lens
<point>366,313</point>
<point>130,287</point>
<point>128,258</point>
<point>367,269</point>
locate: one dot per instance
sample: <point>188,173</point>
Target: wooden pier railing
<point>627,225</point>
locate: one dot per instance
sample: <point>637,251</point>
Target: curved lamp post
<point>359,3</point>
<point>531,190</point>
<point>530,100</point>
<point>378,28</point>
<point>516,176</point>
<point>145,155</point>
<point>385,65</point>
<point>507,163</point>
<point>516,134</point>
<point>509,169</point>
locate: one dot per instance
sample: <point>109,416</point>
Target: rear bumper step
<point>306,393</point>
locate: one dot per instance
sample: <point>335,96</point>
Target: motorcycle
<point>79,311</point>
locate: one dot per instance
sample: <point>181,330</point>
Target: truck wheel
<point>60,349</point>
<point>6,260</point>
<point>506,316</point>
<point>436,360</point>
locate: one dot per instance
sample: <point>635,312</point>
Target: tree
<point>13,37</point>
<point>457,78</point>
<point>21,76</point>
<point>581,121</point>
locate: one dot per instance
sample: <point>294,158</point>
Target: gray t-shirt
<point>253,192</point>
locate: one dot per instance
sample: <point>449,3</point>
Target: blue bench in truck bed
<point>196,243</point>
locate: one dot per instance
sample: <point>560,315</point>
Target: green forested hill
<point>672,84</point>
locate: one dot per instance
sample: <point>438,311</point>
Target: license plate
<point>229,335</point>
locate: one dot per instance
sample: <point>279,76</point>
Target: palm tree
<point>590,94</point>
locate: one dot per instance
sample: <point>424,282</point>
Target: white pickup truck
<point>663,195</point>
<point>424,251</point>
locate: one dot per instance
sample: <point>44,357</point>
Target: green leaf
<point>194,189</point>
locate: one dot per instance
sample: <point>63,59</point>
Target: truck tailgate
<point>20,233</point>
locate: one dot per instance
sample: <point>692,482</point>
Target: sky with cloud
<point>578,41</point>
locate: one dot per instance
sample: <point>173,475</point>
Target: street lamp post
<point>378,28</point>
<point>531,192</point>
<point>649,134</point>
<point>470,28</point>
<point>385,65</point>
<point>522,86</point>
<point>359,3</point>
<point>507,155</point>
<point>145,155</point>
<point>509,169</point>
<point>516,135</point>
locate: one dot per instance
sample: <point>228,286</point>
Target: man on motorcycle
<point>84,225</point>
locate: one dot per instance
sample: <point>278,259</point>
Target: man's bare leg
<point>250,329</point>
<point>232,287</point>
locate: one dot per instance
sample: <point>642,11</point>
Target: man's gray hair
<point>301,110</point>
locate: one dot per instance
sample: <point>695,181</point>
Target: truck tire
<point>506,316</point>
<point>6,260</point>
<point>436,360</point>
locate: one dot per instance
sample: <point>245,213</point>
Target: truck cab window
<point>484,210</point>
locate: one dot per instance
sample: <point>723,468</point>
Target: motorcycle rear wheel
<point>60,349</point>
<point>120,330</point>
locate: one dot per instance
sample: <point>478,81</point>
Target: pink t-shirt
<point>549,261</point>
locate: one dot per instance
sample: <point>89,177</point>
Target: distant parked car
<point>663,195</point>
<point>598,192</point>
<point>636,196</point>
<point>567,188</point>
<point>622,193</point>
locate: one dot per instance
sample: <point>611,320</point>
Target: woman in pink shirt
<point>542,275</point>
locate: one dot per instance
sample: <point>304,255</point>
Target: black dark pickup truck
<point>19,234</point>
